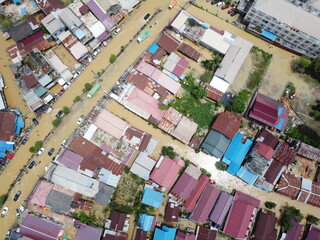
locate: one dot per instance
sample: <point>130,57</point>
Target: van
<point>117,31</point>
<point>220,4</point>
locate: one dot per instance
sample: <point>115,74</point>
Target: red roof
<point>309,152</point>
<point>7,126</point>
<point>36,40</point>
<point>268,139</point>
<point>166,171</point>
<point>172,212</point>
<point>284,154</point>
<point>84,9</point>
<point>144,138</point>
<point>184,186</point>
<point>184,236</point>
<point>159,53</point>
<point>264,150</point>
<point>94,157</point>
<point>265,226</point>
<point>190,52</point>
<point>227,123</point>
<point>192,200</point>
<point>48,6</point>
<point>168,42</point>
<point>289,185</point>
<point>117,220</point>
<point>273,172</point>
<point>214,93</point>
<point>141,235</point>
<point>195,142</point>
<point>40,193</point>
<point>205,233</point>
<point>30,80</point>
<point>205,204</point>
<point>314,198</point>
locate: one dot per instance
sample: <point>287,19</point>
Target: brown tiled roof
<point>168,42</point>
<point>30,80</point>
<point>268,138</point>
<point>314,198</point>
<point>190,52</point>
<point>264,228</point>
<point>7,126</point>
<point>159,53</point>
<point>284,154</point>
<point>227,123</point>
<point>289,185</point>
<point>94,157</point>
<point>273,171</point>
<point>214,93</point>
<point>206,234</point>
<point>171,212</point>
<point>309,152</point>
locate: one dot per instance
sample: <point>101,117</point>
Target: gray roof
<point>70,19</point>
<point>257,163</point>
<point>104,194</point>
<point>215,144</point>
<point>45,80</point>
<point>59,202</point>
<point>288,13</point>
<point>21,31</point>
<point>52,23</point>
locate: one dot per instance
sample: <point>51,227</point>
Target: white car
<point>22,208</point>
<point>4,212</point>
<point>80,120</point>
<point>41,150</point>
<point>117,31</point>
<point>220,4</point>
<point>63,144</point>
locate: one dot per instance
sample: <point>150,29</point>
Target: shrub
<point>310,218</point>
<point>38,145</point>
<point>65,110</point>
<point>3,199</point>
<point>112,58</point>
<point>56,122</point>
<point>197,150</point>
<point>270,205</point>
<point>126,169</point>
<point>238,105</point>
<point>168,151</point>
<point>87,86</point>
<point>206,77</point>
<point>221,166</point>
<point>76,99</point>
<point>32,149</point>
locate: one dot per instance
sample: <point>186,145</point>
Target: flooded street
<point>67,127</point>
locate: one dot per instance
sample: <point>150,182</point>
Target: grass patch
<point>3,199</point>
<point>261,61</point>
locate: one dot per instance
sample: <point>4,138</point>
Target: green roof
<point>215,144</point>
<point>93,90</point>
<point>40,91</point>
<point>144,34</point>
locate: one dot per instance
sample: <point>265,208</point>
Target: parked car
<point>61,91</point>
<point>35,121</point>
<point>220,4</point>
<point>11,155</point>
<point>22,208</point>
<point>4,212</point>
<point>8,233</point>
<point>24,140</point>
<point>31,164</point>
<point>214,2</point>
<point>80,120</point>
<point>225,7</point>
<point>212,181</point>
<point>51,151</point>
<point>233,13</point>
<point>18,212</point>
<point>146,16</point>
<point>117,31</point>
<point>59,114</point>
<point>231,10</point>
<point>41,150</point>
<point>63,144</point>
<point>16,197</point>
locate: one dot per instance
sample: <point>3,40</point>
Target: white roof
<point>214,41</point>
<point>2,102</point>
<point>97,29</point>
<point>179,21</point>
<point>128,4</point>
<point>108,178</point>
<point>234,59</point>
<point>219,84</point>
<point>75,181</point>
<point>52,23</point>
<point>55,61</point>
<point>306,184</point>
<point>1,82</point>
<point>288,13</point>
<point>185,130</point>
<point>171,62</point>
<point>45,80</point>
<point>61,82</point>
<point>78,50</point>
<point>89,133</point>
<point>69,18</point>
<point>47,99</point>
<point>66,75</point>
<point>143,165</point>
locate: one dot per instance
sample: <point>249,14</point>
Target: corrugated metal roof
<point>171,212</point>
<point>86,232</point>
<point>152,198</point>
<point>264,150</point>
<point>168,42</point>
<point>190,52</point>
<point>215,144</point>
<point>7,126</point>
<point>184,187</point>
<point>185,129</point>
<point>214,93</point>
<point>284,154</point>
<point>264,228</point>
<point>227,123</point>
<point>40,193</point>
<point>309,152</point>
<point>221,208</point>
<point>48,6</point>
<point>205,233</point>
<point>268,139</point>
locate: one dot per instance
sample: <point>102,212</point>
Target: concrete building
<point>284,24</point>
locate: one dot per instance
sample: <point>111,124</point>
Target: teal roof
<point>93,90</point>
<point>152,198</point>
<point>215,144</point>
<point>247,176</point>
<point>165,233</point>
<point>40,91</point>
<point>145,221</point>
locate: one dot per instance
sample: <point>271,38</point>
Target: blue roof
<point>80,34</point>
<point>236,152</point>
<point>269,35</point>
<point>247,176</point>
<point>145,221</point>
<point>6,145</point>
<point>152,198</point>
<point>153,48</point>
<point>165,233</point>
<point>19,125</point>
<point>205,25</point>
<point>279,126</point>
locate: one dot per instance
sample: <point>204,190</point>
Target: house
<point>190,203</point>
<point>87,232</point>
<point>268,111</point>
<point>264,228</point>
<point>216,88</point>
<point>205,204</point>
<point>22,30</point>
<point>69,19</point>
<point>268,139</point>
<point>186,183</point>
<point>141,235</point>
<point>221,209</point>
<point>184,236</point>
<point>69,159</point>
<point>215,41</point>
<point>152,198</point>
<point>309,152</point>
<point>166,171</point>
<point>227,123</point>
<point>190,52</point>
<point>168,42</point>
<point>172,211</point>
<point>118,221</point>
<point>170,120</point>
<point>145,222</point>
<point>40,228</point>
<point>295,232</point>
<point>143,165</point>
<point>7,126</point>
<point>112,235</point>
<point>165,233</point>
<point>54,25</point>
<point>185,130</point>
<point>40,193</point>
<point>215,144</point>
<point>137,139</point>
<point>175,65</point>
<point>203,233</point>
<point>239,220</point>
<point>284,154</point>
<point>236,152</point>
<point>313,233</point>
<point>59,200</point>
<point>48,6</point>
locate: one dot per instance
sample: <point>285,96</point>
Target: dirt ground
<point>65,56</point>
<point>305,168</point>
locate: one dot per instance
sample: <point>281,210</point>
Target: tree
<point>32,149</point>
<point>3,199</point>
<point>196,90</point>
<point>206,77</point>
<point>76,99</point>
<point>87,86</point>
<point>289,213</point>
<point>270,205</point>
<point>238,105</point>
<point>112,58</point>
<point>56,122</point>
<point>315,67</point>
<point>221,166</point>
<point>313,220</point>
<point>168,151</point>
<point>65,110</point>
<point>38,145</point>
<point>212,64</point>
<point>304,62</point>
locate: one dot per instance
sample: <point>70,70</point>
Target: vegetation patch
<point>289,213</point>
<point>261,61</point>
<point>221,166</point>
<point>76,99</point>
<point>305,134</point>
<point>112,58</point>
<point>270,205</point>
<point>36,147</point>
<point>239,104</point>
<point>3,199</point>
<point>168,151</point>
<point>56,122</point>
<point>316,111</point>
<point>313,220</point>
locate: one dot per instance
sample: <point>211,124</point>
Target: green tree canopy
<point>289,213</point>
<point>168,151</point>
<point>87,86</point>
<point>315,67</point>
<point>76,99</point>
<point>112,58</point>
<point>270,205</point>
<point>238,105</point>
<point>65,110</point>
<point>56,122</point>
<point>221,166</point>
<point>304,61</point>
<point>313,220</point>
<point>38,145</point>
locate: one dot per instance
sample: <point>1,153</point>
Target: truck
<point>93,90</point>
<point>143,36</point>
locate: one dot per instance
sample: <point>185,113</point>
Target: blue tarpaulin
<point>247,176</point>
<point>24,11</point>
<point>16,1</point>
<point>19,125</point>
<point>152,198</point>
<point>33,4</point>
<point>6,145</point>
<point>153,48</point>
<point>269,35</point>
